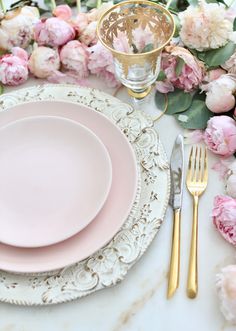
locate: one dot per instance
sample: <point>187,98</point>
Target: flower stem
<point>99,3</point>
<point>168,4</point>
<point>2,7</point>
<point>53,3</point>
<point>78,4</point>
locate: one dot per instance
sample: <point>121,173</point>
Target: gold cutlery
<point>176,171</point>
<point>197,176</point>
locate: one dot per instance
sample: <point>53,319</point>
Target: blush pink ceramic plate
<point>115,210</point>
<point>55,176</point>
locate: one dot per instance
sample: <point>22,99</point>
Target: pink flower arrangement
<point>63,11</point>
<point>224,217</point>
<point>14,67</point>
<point>53,32</point>
<point>190,75</point>
<point>220,135</point>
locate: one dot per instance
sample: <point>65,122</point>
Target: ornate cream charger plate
<point>110,264</point>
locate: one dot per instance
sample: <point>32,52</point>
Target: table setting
<point>117,165</point>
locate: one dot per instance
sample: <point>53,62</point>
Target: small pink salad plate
<point>55,176</point>
<point>117,206</point>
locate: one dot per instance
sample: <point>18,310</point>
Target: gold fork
<point>197,177</point>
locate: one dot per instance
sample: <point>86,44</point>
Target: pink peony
<point>191,73</point>
<point>220,135</point>
<point>14,67</point>
<point>142,37</point>
<point>17,27</point>
<point>226,289</point>
<point>74,57</point>
<point>101,64</point>
<point>121,43</point>
<point>89,34</point>
<point>95,14</point>
<point>224,217</point>
<point>80,23</point>
<point>164,86</point>
<point>63,11</point>
<point>44,61</point>
<point>214,74</point>
<point>219,93</point>
<point>53,32</point>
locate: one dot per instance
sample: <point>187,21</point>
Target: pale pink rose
<point>74,57</point>
<point>226,289</point>
<point>192,71</point>
<point>142,37</point>
<point>224,217</point>
<point>17,27</point>
<point>95,14</point>
<point>63,11</point>
<point>44,61</point>
<point>220,135</point>
<point>53,32</point>
<point>213,74</point>
<point>205,26</point>
<point>164,86</point>
<point>231,180</point>
<point>121,43</point>
<point>219,93</point>
<point>14,67</point>
<point>80,23</point>
<point>230,64</point>
<point>101,64</point>
<point>89,35</point>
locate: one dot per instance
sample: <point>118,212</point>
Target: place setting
<point>85,178</point>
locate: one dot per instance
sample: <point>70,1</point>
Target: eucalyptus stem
<point>2,6</point>
<point>53,3</point>
<point>168,4</point>
<point>78,4</point>
<point>99,3</point>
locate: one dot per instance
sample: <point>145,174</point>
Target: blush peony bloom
<point>231,180</point>
<point>226,289</point>
<point>219,93</point>
<point>89,34</point>
<point>53,32</point>
<point>191,74</point>
<point>214,74</point>
<point>220,135</point>
<point>14,67</point>
<point>121,43</point>
<point>95,14</point>
<point>44,61</point>
<point>205,26</point>
<point>101,64</point>
<point>224,217</point>
<point>74,57</point>
<point>17,27</point>
<point>63,11</point>
<point>80,23</point>
<point>230,65</point>
<point>142,37</point>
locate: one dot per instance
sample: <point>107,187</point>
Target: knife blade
<point>176,170</point>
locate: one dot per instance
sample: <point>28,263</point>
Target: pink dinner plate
<point>113,213</point>
<point>55,176</point>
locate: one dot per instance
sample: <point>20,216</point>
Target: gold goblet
<point>130,23</point>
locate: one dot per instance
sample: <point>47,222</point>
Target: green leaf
<point>216,57</point>
<point>234,26</point>
<point>160,101</point>
<point>196,116</point>
<point>193,2</point>
<point>90,4</point>
<point>177,26</point>
<point>179,66</point>
<point>161,76</point>
<point>178,101</point>
<point>147,48</point>
<point>1,89</point>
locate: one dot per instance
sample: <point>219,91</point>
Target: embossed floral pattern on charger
<point>111,263</point>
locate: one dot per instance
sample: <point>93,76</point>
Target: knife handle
<point>173,281</point>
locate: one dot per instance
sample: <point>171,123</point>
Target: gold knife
<point>176,168</point>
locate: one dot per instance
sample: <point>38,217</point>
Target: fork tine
<point>200,165</point>
<point>190,165</point>
<point>195,165</point>
<point>205,172</point>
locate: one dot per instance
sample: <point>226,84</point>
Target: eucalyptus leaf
<point>161,76</point>
<point>147,48</point>
<point>234,26</point>
<point>193,2</point>
<point>178,101</point>
<point>179,66</point>
<point>216,57</point>
<point>196,116</point>
<point>91,4</point>
<point>1,89</point>
<point>160,101</point>
<point>177,26</point>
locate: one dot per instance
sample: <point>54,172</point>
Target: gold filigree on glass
<point>136,70</point>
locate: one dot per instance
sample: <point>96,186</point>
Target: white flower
<point>17,27</point>
<point>205,26</point>
<point>226,288</point>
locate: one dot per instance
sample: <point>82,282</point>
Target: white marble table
<point>139,303</point>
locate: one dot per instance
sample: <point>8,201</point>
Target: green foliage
<point>178,101</point>
<point>1,89</point>
<point>161,76</point>
<point>179,66</point>
<point>148,48</point>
